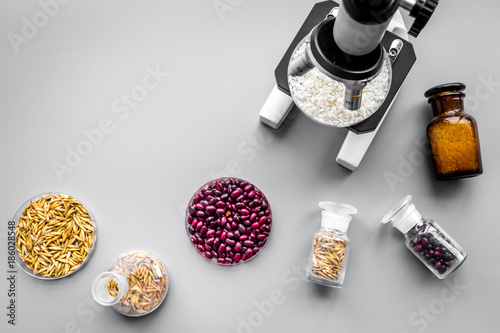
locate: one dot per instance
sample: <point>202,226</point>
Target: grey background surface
<point>201,122</point>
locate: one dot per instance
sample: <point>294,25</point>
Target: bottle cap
<point>447,89</point>
<point>403,216</point>
<point>336,215</point>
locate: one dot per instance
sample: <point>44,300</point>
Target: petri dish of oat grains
<point>55,235</point>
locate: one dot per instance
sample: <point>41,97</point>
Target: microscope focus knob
<point>422,12</point>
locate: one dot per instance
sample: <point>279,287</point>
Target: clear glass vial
<point>426,239</point>
<point>453,134</point>
<point>135,285</point>
<point>330,247</point>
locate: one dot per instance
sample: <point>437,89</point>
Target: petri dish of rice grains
<point>55,235</point>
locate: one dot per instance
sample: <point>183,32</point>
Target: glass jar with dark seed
<point>426,239</point>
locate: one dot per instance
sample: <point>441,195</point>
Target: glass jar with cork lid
<point>453,134</point>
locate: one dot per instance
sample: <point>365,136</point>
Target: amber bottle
<point>453,134</point>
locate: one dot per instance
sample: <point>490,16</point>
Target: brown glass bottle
<point>453,134</point>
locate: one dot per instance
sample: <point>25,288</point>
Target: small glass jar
<point>426,239</point>
<point>453,134</point>
<point>135,285</point>
<point>330,247</point>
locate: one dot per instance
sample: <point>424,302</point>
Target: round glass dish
<point>228,221</point>
<point>321,98</point>
<point>55,235</point>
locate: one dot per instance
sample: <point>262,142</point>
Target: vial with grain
<point>453,134</point>
<point>135,284</point>
<point>331,245</point>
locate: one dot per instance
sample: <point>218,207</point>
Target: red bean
<point>230,219</point>
<point>237,247</point>
<point>236,193</point>
<point>203,230</point>
<point>242,229</point>
<point>218,185</point>
<point>248,243</point>
<point>248,187</point>
<point>194,239</point>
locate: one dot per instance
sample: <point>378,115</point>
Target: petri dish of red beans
<point>228,221</point>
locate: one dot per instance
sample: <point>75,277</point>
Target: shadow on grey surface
<point>323,292</point>
<point>449,188</point>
